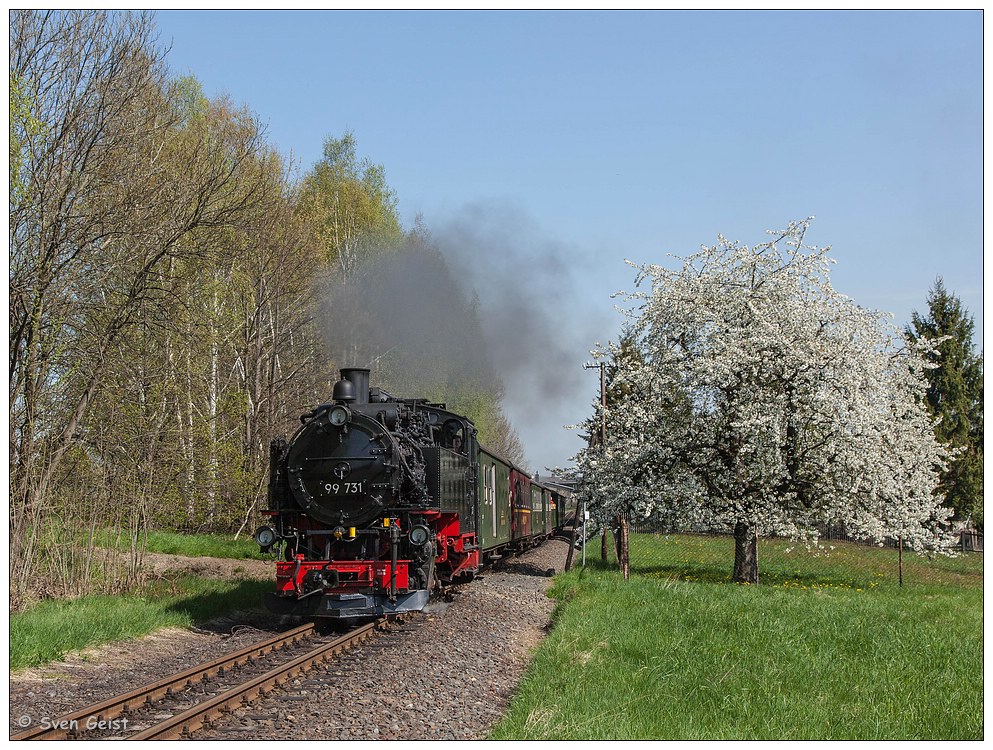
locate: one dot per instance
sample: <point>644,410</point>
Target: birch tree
<point>352,209</point>
<point>115,188</point>
<point>766,403</point>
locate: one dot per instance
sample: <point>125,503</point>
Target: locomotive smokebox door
<point>338,473</point>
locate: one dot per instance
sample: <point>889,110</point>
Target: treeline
<point>168,281</point>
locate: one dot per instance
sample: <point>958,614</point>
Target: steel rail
<point>187,722</point>
<point>71,724</point>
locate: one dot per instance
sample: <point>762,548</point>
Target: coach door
<point>522,505</point>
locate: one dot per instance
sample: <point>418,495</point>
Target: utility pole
<point>579,519</point>
<point>622,520</point>
<point>603,437</point>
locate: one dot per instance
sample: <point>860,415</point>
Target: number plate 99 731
<point>343,488</point>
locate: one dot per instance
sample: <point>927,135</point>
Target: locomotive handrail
<point>341,458</point>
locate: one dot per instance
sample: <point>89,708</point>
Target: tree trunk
<point>213,393</point>
<point>625,562</point>
<point>603,545</point>
<point>746,561</point>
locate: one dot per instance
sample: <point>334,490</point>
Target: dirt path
<point>158,564</point>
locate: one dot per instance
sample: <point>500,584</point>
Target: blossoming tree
<point>764,402</point>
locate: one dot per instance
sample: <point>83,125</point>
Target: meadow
<point>51,629</point>
<point>825,647</point>
<point>192,545</point>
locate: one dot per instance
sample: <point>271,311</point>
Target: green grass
<point>51,629</point>
<point>196,545</point>
<point>691,557</point>
<point>819,655</point>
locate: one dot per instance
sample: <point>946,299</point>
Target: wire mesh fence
<point>834,561</point>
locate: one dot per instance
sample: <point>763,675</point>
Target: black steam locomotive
<point>377,501</point>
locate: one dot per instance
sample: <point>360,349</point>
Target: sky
<point>571,142</point>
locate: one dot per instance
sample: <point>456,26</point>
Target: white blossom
<point>760,395</point>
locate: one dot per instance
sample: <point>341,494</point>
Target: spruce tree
<point>955,394</point>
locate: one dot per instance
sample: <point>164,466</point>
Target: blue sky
<point>605,136</point>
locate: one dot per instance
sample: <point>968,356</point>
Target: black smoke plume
<point>482,301</point>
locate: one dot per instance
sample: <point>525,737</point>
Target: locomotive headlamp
<point>265,537</point>
<point>339,415</point>
<point>419,535</point>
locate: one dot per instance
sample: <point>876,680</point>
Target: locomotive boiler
<point>378,501</point>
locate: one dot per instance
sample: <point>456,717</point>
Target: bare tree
<point>116,183</point>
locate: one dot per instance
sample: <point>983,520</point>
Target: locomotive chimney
<point>359,378</point>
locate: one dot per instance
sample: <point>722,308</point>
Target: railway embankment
<point>446,674</point>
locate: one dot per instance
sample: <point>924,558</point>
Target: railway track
<point>105,714</point>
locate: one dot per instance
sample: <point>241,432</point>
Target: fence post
<point>901,562</point>
<point>625,563</point>
<point>580,512</point>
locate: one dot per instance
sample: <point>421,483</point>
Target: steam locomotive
<point>377,501</point>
